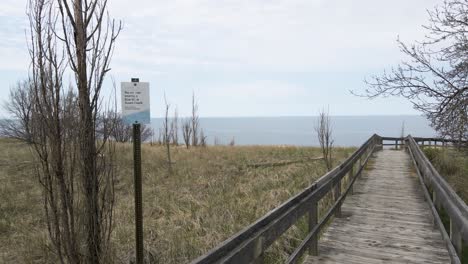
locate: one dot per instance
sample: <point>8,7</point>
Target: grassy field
<point>212,194</point>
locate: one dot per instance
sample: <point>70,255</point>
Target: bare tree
<point>195,122</point>
<point>434,78</point>
<point>146,132</point>
<point>187,131</point>
<point>76,169</point>
<point>160,137</point>
<point>202,138</point>
<point>19,106</point>
<point>175,128</point>
<point>167,135</point>
<point>232,143</point>
<point>325,137</point>
<point>402,134</point>
<point>120,131</point>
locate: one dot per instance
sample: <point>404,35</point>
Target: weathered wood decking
<point>385,221</point>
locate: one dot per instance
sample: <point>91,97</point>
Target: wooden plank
<point>386,221</point>
<point>376,255</point>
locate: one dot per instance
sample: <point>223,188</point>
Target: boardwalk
<point>385,221</point>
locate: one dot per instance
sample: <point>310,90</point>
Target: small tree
<point>202,138</point>
<point>232,142</point>
<point>195,122</point>
<point>160,137</point>
<point>325,137</point>
<point>167,135</point>
<point>119,130</point>
<point>75,163</point>
<point>19,106</point>
<point>402,134</point>
<point>175,128</point>
<point>187,131</point>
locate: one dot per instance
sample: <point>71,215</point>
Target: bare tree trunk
<point>195,122</point>
<point>175,128</point>
<point>187,132</point>
<point>202,138</point>
<point>167,136</point>
<point>325,137</point>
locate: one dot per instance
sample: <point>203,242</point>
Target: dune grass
<point>211,194</point>
<point>452,164</point>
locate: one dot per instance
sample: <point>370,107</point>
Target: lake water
<point>347,130</point>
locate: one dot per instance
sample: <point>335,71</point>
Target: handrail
<point>400,141</point>
<point>417,139</point>
<point>443,196</point>
<point>249,244</point>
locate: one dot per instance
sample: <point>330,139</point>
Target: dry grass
<point>211,195</point>
<point>453,166</point>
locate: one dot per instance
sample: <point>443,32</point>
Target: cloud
<point>293,35</point>
<point>252,42</point>
<point>297,35</point>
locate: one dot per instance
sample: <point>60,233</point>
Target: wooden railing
<point>250,244</point>
<point>443,199</point>
<point>423,141</point>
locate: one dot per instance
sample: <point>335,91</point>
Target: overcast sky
<point>247,57</point>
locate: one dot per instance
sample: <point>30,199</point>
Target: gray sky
<point>247,57</point>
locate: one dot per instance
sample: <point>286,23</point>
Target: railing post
<point>259,252</point>
<point>455,237</point>
<point>337,194</point>
<point>350,178</point>
<point>437,205</point>
<point>436,200</point>
<point>396,144</point>
<point>313,220</point>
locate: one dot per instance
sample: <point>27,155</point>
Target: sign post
<point>136,111</point>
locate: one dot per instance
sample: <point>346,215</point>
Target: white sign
<point>135,102</point>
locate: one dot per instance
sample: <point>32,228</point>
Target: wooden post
<point>337,194</point>
<point>138,194</point>
<point>313,220</point>
<point>350,178</point>
<point>259,252</point>
<point>396,144</point>
<point>456,238</point>
<point>436,200</point>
